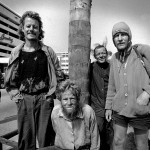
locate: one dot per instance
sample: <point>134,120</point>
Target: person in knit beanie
<point>128,90</point>
<point>121,27</point>
<point>123,46</point>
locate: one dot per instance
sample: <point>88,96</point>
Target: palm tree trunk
<point>80,44</point>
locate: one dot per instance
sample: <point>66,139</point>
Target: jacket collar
<point>16,51</point>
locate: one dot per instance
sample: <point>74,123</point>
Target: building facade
<point>9,23</point>
<point>64,61</point>
<point>9,38</point>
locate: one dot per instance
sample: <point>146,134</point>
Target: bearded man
<point>74,123</point>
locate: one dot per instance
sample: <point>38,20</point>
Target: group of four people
<point>34,78</point>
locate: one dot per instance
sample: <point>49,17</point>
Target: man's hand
<point>15,95</point>
<point>143,99</point>
<point>108,115</point>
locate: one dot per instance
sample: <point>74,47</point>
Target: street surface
<point>8,118</point>
<point>8,111</point>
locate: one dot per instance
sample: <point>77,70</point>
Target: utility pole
<point>80,44</point>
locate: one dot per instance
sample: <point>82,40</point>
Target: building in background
<point>9,23</point>
<point>9,38</point>
<point>64,61</point>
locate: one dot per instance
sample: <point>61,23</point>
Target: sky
<point>104,14</point>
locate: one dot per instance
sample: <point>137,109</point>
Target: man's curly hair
<point>32,15</point>
<point>69,85</point>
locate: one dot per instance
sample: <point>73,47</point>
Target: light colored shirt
<point>79,132</point>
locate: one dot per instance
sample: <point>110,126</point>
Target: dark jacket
<point>99,76</point>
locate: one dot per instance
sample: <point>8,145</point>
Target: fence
<point>4,139</point>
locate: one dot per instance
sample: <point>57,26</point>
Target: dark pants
<point>106,133</point>
<point>0,95</point>
<point>34,121</point>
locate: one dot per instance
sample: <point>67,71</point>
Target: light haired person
<point>74,123</point>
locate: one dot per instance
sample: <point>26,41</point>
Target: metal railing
<point>5,139</point>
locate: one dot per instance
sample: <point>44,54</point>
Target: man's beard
<point>72,115</point>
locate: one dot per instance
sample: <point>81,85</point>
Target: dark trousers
<point>106,133</point>
<point>34,121</point>
<point>0,95</point>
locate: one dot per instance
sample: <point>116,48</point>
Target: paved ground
<point>8,118</point>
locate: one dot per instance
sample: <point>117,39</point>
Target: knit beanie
<point>121,27</point>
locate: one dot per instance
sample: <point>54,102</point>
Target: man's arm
<point>56,73</point>
<point>110,93</point>
<point>144,51</point>
<point>95,137</point>
<point>52,119</point>
<point>111,88</point>
<point>10,79</point>
<point>59,73</point>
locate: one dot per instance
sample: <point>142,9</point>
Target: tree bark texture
<point>80,44</point>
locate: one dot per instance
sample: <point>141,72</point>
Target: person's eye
<point>124,34</point>
<point>116,35</point>
<point>73,99</point>
<point>35,27</point>
<point>28,26</point>
<point>64,99</point>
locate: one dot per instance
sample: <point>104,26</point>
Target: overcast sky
<point>104,14</point>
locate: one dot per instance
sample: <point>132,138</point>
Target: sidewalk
<point>8,122</point>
